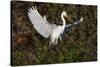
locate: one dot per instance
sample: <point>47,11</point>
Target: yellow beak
<point>67,17</point>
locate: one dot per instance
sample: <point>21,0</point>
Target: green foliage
<point>29,47</point>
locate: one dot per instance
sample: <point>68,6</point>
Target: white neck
<point>62,17</point>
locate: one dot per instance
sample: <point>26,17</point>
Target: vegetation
<point>29,47</point>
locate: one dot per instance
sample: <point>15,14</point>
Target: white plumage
<point>45,28</point>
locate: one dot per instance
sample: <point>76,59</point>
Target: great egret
<point>46,29</point>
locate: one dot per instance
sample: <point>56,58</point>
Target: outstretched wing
<point>75,24</point>
<point>40,23</point>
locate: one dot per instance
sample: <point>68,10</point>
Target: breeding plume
<point>48,30</point>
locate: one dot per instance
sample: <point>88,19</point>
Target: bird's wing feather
<point>75,24</point>
<point>39,23</point>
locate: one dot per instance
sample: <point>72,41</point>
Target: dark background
<point>29,47</point>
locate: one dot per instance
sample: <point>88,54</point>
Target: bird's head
<point>65,15</point>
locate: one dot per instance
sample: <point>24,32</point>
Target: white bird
<point>46,29</point>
